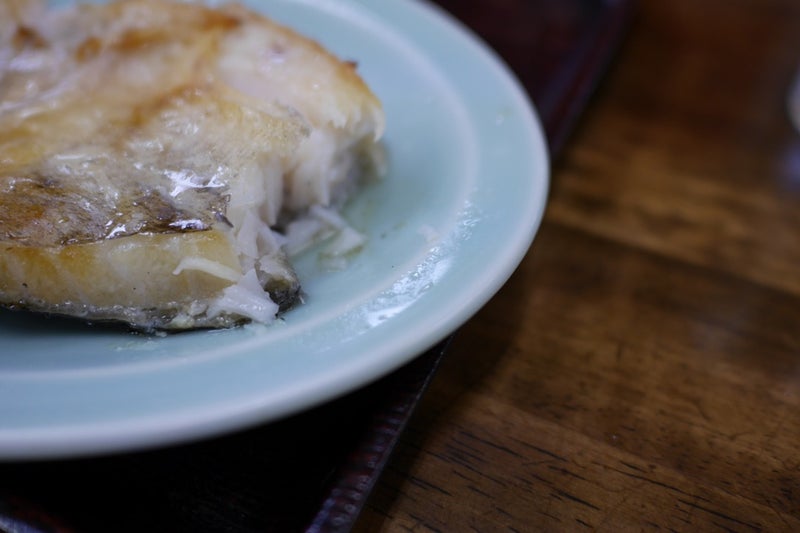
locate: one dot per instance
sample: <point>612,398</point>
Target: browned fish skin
<point>45,212</point>
<point>130,130</point>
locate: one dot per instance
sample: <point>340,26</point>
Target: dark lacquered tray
<point>315,470</point>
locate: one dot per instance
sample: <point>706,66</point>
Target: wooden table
<point>641,369</point>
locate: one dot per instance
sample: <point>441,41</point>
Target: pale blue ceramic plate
<point>463,199</point>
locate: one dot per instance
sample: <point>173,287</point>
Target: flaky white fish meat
<point>153,155</point>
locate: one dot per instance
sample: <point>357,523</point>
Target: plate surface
<point>454,217</point>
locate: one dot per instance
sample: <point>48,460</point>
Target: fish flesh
<point>155,156</point>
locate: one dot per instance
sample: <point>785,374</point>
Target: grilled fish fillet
<point>153,153</point>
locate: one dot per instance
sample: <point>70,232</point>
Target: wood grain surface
<point>641,369</point>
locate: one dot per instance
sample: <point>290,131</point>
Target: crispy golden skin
<point>137,141</point>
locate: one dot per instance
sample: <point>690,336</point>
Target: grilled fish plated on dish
<point>156,156</point>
